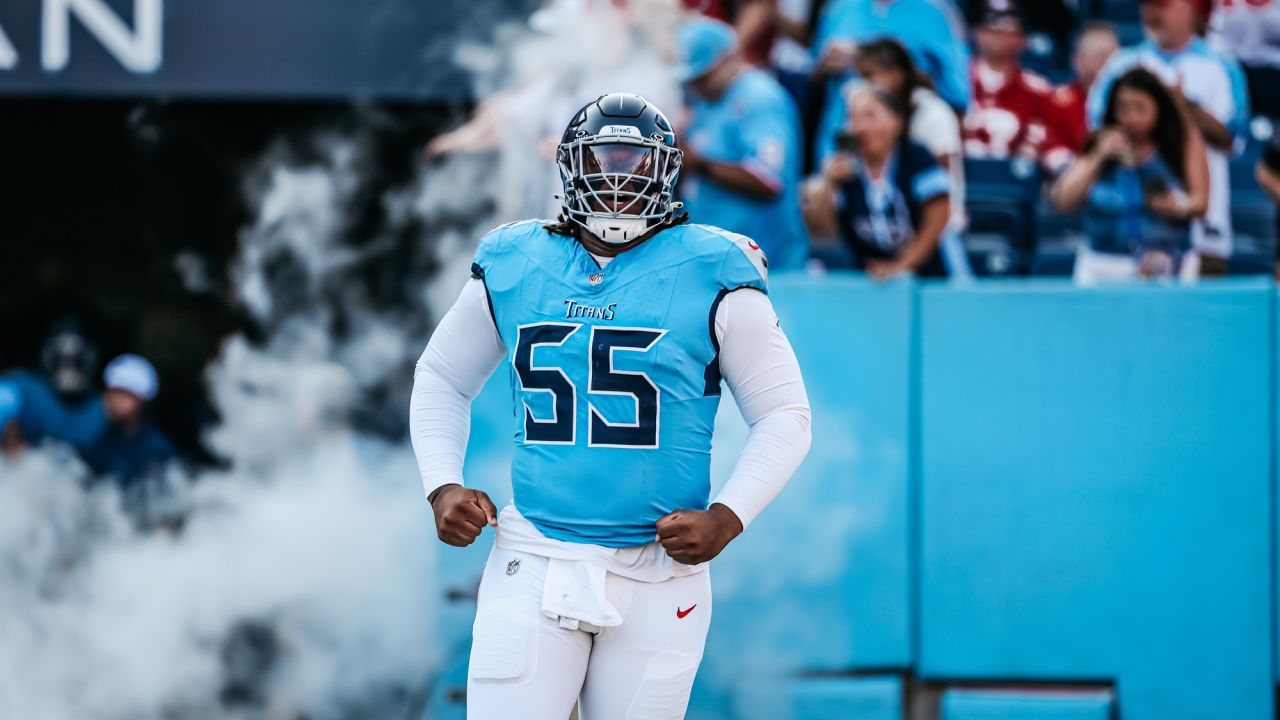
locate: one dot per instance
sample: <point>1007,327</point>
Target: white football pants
<point>524,664</point>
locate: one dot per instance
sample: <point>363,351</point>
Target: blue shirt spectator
<point>40,413</point>
<point>1116,218</point>
<point>125,445</point>
<point>127,454</point>
<point>10,402</point>
<point>1215,86</point>
<point>931,30</point>
<point>1142,179</point>
<point>58,397</point>
<point>741,168</point>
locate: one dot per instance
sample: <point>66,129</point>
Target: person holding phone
<point>888,197</point>
<point>1142,180</point>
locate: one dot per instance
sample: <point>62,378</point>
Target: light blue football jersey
<point>614,372</point>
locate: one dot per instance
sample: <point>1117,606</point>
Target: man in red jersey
<point>1008,116</point>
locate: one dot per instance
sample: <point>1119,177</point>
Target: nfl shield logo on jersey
<point>513,567</point>
<point>595,278</point>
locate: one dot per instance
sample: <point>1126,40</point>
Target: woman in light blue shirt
<point>1142,179</point>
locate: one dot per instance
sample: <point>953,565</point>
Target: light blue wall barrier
<point>1275,485</point>
<point>1087,496</point>
<point>1096,492</point>
<point>821,580</point>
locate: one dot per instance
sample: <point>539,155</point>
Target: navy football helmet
<point>69,358</point>
<point>619,162</point>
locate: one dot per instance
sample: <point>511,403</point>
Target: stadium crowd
<point>1099,138</point>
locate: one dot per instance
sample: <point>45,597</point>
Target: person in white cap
<point>131,382</point>
<point>123,443</point>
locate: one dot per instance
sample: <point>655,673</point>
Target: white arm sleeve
<point>462,354</point>
<point>761,371</point>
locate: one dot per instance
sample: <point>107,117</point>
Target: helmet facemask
<point>618,187</point>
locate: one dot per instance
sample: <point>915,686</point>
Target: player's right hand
<point>461,513</point>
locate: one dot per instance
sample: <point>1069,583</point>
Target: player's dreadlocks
<point>568,228</point>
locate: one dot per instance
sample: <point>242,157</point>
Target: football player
<point>616,324</point>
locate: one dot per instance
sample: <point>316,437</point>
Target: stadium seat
<point>1058,236</point>
<point>1027,704</point>
<point>1253,220</point>
<point>1001,197</point>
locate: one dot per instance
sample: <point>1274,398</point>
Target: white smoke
<point>314,549</point>
<point>100,621</point>
<point>533,86</point>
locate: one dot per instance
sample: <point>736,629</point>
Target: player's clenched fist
<point>461,513</point>
<point>696,536</point>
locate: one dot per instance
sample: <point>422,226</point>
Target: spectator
<point>793,64</point>
<point>1250,32</point>
<point>888,196</point>
<point>121,442</point>
<point>930,121</point>
<point>1218,105</point>
<point>752,20</point>
<point>1055,19</point>
<point>741,149</point>
<point>1268,174</point>
<point>1096,44</point>
<point>1143,177</point>
<point>790,58</point>
<point>1011,107</point>
<point>931,30</point>
<point>10,406</point>
<point>55,400</point>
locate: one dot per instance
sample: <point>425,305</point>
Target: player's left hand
<point>696,536</point>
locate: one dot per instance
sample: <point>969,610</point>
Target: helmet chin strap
<point>616,231</point>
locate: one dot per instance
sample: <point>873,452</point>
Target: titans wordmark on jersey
<point>614,372</point>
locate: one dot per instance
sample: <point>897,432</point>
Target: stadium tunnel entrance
<point>125,214</point>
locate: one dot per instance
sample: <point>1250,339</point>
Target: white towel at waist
<point>643,563</point>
